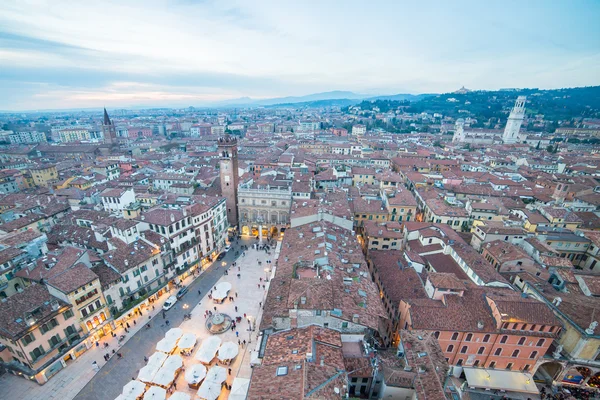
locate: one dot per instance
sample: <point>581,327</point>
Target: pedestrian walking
<point>264,286</point>
<point>237,334</point>
<point>126,330</point>
<point>167,322</point>
<point>229,370</point>
<point>260,279</point>
<point>235,308</point>
<point>175,385</point>
<point>97,344</point>
<point>235,294</point>
<point>95,366</point>
<point>239,342</point>
<point>258,285</point>
<point>164,315</point>
<point>244,315</point>
<point>215,307</point>
<point>238,275</point>
<point>153,306</point>
<point>128,327</point>
<point>260,304</point>
<point>244,342</point>
<point>134,323</point>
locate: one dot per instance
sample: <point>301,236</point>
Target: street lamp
<point>185,306</point>
<point>266,274</point>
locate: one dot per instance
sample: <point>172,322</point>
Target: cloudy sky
<point>80,53</point>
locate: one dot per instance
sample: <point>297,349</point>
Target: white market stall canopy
<point>239,389</point>
<point>134,389</point>
<point>195,373</point>
<point>208,349</point>
<point>167,373</point>
<point>501,380</point>
<point>166,345</point>
<point>154,363</point>
<point>187,341</point>
<point>228,351</point>
<point>211,387</point>
<point>155,393</point>
<point>221,290</point>
<point>180,396</point>
<point>174,333</point>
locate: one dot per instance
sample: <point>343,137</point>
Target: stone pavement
<point>249,296</point>
<point>70,381</point>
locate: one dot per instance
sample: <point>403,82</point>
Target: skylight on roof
<point>282,371</point>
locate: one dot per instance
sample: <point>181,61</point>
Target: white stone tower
<point>459,131</point>
<point>515,119</point>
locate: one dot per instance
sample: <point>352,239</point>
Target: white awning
<point>167,345</point>
<point>187,341</point>
<point>239,389</point>
<point>208,349</point>
<point>195,373</point>
<point>221,291</point>
<point>174,333</point>
<point>166,374</point>
<point>500,379</point>
<point>134,389</point>
<point>211,387</point>
<point>155,393</point>
<point>154,363</point>
<point>228,351</point>
<point>180,396</point>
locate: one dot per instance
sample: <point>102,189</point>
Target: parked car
<point>170,303</point>
<point>181,292</point>
<point>227,248</point>
<point>221,256</point>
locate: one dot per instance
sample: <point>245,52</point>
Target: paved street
<point>109,381</point>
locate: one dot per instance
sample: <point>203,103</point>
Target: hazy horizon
<point>71,55</point>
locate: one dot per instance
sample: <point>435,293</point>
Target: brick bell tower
<point>229,176</point>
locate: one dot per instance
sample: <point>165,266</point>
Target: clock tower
<point>228,164</point>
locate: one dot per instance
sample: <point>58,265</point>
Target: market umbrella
<point>221,290</point>
<point>187,341</point>
<point>180,396</point>
<point>228,351</point>
<point>134,389</point>
<point>211,387</point>
<point>155,393</point>
<point>195,373</point>
<point>239,389</point>
<point>174,333</point>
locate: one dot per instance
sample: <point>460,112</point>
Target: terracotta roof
<point>34,300</point>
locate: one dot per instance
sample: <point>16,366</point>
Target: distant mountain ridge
<point>336,96</point>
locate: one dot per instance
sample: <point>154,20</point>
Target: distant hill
<point>554,105</point>
<point>337,97</point>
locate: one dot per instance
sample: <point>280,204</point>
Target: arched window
<point>498,351</point>
<point>89,325</point>
<point>481,350</point>
<point>455,336</point>
<point>533,354</point>
<point>486,338</point>
<point>450,348</point>
<point>540,342</point>
<point>436,334</point>
<point>515,353</point>
<point>464,349</point>
<point>469,337</point>
<point>70,330</point>
<point>522,340</point>
<point>504,339</point>
<point>102,317</point>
